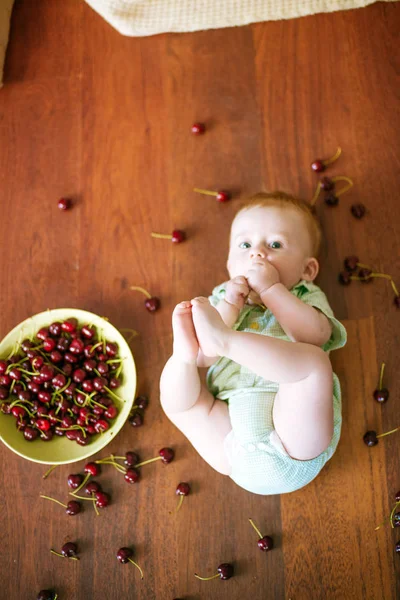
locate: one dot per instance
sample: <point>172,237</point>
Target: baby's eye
<point>276,245</point>
<point>244,245</point>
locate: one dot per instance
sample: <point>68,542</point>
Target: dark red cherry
<point>93,469</point>
<point>225,571</point>
<point>132,475</point>
<point>331,200</point>
<point>136,420</point>
<point>358,210</point>
<point>131,459</point>
<point>124,554</point>
<point>69,549</point>
<point>265,543</point>
<point>167,455</point>
<point>73,508</point>
<point>74,480</point>
<point>46,595</point>
<point>344,278</point>
<point>351,263</point>
<point>327,184</point>
<point>370,438</point>
<point>381,395</point>
<point>152,304</point>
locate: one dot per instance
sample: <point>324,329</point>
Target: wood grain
<point>88,114</point>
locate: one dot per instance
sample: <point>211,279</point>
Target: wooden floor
<point>103,119</point>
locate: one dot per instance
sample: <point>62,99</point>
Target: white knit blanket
<point>148,17</point>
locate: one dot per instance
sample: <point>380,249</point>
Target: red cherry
<point>198,128</point>
<point>152,304</point>
<point>223,196</point>
<point>178,236</point>
<point>318,166</point>
<point>49,344</point>
<point>132,475</point>
<point>69,325</point>
<point>43,424</point>
<point>64,203</point>
<point>167,455</point>
<point>358,210</point>
<point>93,469</point>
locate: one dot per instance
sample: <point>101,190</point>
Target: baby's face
<point>274,234</point>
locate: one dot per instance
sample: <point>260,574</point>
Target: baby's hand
<point>261,277</point>
<point>237,291</point>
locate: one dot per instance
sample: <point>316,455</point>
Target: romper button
<point>251,447</point>
<point>254,325</point>
<point>262,446</point>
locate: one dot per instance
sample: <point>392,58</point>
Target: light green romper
<point>260,464</point>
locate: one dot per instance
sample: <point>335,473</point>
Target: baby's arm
<point>229,308</point>
<point>301,322</point>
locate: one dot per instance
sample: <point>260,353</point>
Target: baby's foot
<point>210,329</point>
<point>186,346</point>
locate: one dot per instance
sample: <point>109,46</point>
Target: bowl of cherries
<point>67,386</point>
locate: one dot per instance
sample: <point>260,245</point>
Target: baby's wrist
<point>271,290</point>
<point>236,302</point>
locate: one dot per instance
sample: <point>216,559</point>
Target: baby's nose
<point>258,251</point>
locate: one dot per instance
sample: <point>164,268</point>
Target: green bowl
<point>60,450</point>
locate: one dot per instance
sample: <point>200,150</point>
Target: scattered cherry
<point>331,200</point>
<point>265,543</point>
<point>69,550</point>
<point>74,481</point>
<point>358,210</point>
<point>198,128</point>
<point>141,402</point>
<point>93,468</point>
<point>182,490</point>
<point>327,184</point>
<point>72,508</point>
<point>381,394</point>
<point>102,499</point>
<point>225,571</point>
<point>351,263</point>
<point>151,303</point>
<point>124,555</point>
<point>132,475</point>
<point>47,595</point>
<point>131,459</point>
<point>177,236</point>
<point>397,547</point>
<point>371,438</point>
<point>320,165</point>
<point>220,195</point>
<point>165,454</point>
<point>136,420</point>
<point>64,203</point>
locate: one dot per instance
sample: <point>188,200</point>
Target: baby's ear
<point>311,269</point>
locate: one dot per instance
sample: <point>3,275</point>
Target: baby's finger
<point>240,279</point>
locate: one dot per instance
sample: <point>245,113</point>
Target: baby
<point>270,416</point>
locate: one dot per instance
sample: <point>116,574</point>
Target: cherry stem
<point>50,470</point>
<point>163,236</point>
<point>119,468</point>
<point>346,187</point>
<point>54,500</point>
<point>206,192</point>
<point>146,462</point>
<point>381,376</point>
<point>394,288</point>
<point>136,565</point>
<point>206,578</point>
<point>388,432</point>
<point>111,393</point>
<point>257,530</point>
<point>62,556</point>
<point>140,289</point>
<point>179,503</point>
<point>81,497</point>
<point>83,482</point>
<point>392,513</point>
<point>328,161</point>
<point>316,194</point>
<point>95,346</point>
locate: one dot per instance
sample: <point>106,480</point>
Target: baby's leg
<point>303,408</point>
<point>189,405</point>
